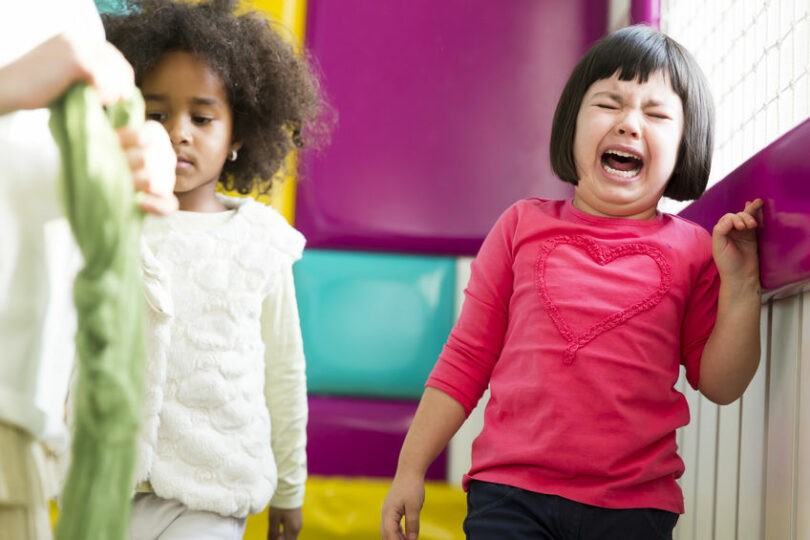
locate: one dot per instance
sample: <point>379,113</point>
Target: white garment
<point>153,517</point>
<point>24,488</point>
<point>38,257</point>
<point>225,361</point>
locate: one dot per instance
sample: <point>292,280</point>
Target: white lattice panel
<point>756,56</point>
<point>747,466</point>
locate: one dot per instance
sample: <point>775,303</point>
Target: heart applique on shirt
<point>601,257</point>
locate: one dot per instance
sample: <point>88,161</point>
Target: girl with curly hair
<point>225,409</point>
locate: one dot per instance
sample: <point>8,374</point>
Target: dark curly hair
<point>273,91</point>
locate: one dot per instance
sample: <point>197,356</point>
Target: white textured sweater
<point>225,370</point>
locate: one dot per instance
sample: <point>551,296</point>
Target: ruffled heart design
<point>602,256</point>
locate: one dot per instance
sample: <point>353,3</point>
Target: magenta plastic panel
<point>780,175</point>
<point>360,437</point>
<point>445,110</point>
<point>646,12</point>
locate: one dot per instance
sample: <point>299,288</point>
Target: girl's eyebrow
<point>606,93</point>
<point>195,101</point>
<point>618,98</point>
<point>205,101</point>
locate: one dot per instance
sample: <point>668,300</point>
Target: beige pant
<point>155,518</point>
<point>23,500</point>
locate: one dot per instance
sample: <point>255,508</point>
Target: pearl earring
<point>233,155</point>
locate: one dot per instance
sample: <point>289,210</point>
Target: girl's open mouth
<point>622,164</point>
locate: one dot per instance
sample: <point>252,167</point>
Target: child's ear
<point>236,145</point>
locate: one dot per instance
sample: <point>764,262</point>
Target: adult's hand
<point>45,72</point>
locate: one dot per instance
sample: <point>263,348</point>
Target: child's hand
<point>285,524</point>
<point>404,499</point>
<point>152,161</point>
<point>734,244</point>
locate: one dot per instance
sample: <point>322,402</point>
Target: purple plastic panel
<point>360,437</point>
<point>780,175</point>
<point>646,12</point>
<point>445,111</point>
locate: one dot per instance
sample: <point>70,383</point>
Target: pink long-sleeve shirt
<point>579,325</point>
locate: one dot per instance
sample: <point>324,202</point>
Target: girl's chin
<point>180,189</point>
<point>613,204</point>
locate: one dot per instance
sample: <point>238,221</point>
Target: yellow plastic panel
<point>349,508</point>
<point>291,13</point>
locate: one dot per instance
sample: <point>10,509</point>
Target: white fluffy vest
<point>205,438</point>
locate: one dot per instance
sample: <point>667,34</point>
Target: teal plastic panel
<point>373,324</point>
<point>111,7</point>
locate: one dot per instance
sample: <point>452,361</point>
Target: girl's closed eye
<point>609,106</point>
<point>202,120</point>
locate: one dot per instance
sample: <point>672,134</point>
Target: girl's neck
<point>637,214</point>
<point>202,199</point>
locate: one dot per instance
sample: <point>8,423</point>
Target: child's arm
<point>286,395</point>
<point>461,374</point>
<point>437,419</point>
<point>731,355</point>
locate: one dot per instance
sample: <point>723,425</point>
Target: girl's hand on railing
<point>734,244</point>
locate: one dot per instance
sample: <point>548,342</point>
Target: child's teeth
<point>625,174</point>
<point>622,154</point>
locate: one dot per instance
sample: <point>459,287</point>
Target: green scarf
<point>100,204</point>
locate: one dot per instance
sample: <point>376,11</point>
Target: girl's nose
<point>629,125</point>
<point>178,130</point>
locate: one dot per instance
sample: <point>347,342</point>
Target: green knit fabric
<point>100,204</point>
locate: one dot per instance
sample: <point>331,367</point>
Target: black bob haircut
<point>636,52</point>
<point>273,91</point>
